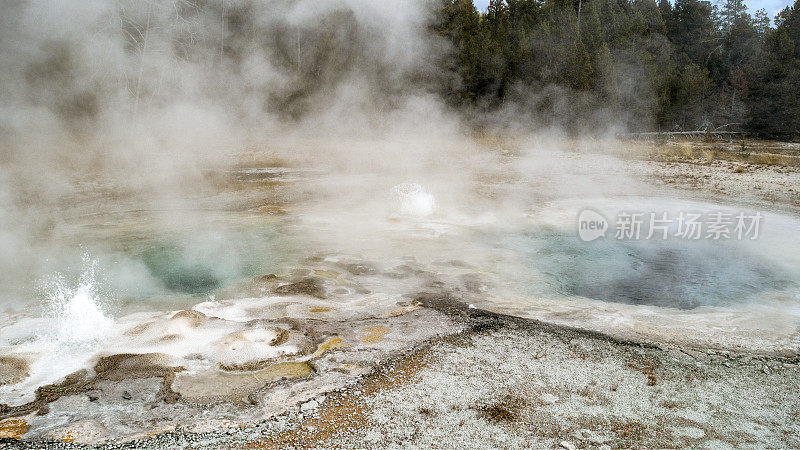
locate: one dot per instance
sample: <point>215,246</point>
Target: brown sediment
<point>360,269</point>
<point>374,334</point>
<point>281,338</point>
<point>211,387</point>
<point>330,344</point>
<point>139,329</point>
<point>119,367</point>
<point>249,366</point>
<point>348,412</point>
<point>12,370</point>
<point>747,151</point>
<point>344,413</point>
<point>195,318</point>
<point>311,286</point>
<point>126,366</point>
<point>273,209</point>
<point>13,428</point>
<point>648,367</point>
<point>504,410</point>
<point>329,274</point>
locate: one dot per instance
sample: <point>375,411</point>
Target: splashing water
<point>78,317</point>
<point>410,199</point>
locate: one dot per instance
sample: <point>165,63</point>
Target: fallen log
<point>668,135</point>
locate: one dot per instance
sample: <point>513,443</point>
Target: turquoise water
<point>672,273</point>
<point>152,266</point>
<point>203,262</point>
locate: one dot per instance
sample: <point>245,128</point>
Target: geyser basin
<point>723,293</point>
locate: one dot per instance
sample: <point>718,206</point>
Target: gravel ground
<point>519,385</point>
<point>774,186</point>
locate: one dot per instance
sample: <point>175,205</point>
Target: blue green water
<point>170,267</point>
<point>672,273</point>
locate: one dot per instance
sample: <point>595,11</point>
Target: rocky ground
<point>510,383</point>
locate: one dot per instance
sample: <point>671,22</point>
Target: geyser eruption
<point>78,318</point>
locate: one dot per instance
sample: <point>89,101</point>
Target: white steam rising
<point>125,105</point>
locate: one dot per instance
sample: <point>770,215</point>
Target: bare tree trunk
<point>222,38</point>
<point>297,35</point>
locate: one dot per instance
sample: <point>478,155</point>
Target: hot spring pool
<point>715,292</point>
<point>141,264</point>
<point>681,275</point>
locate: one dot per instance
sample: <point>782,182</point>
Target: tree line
<point>643,64</point>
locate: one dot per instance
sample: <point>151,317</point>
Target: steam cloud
<point>132,100</point>
<point>126,103</point>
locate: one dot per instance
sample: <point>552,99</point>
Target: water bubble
<point>410,199</point>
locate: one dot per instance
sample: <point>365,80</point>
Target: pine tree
<point>687,65</point>
<point>730,12</point>
<point>762,21</point>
